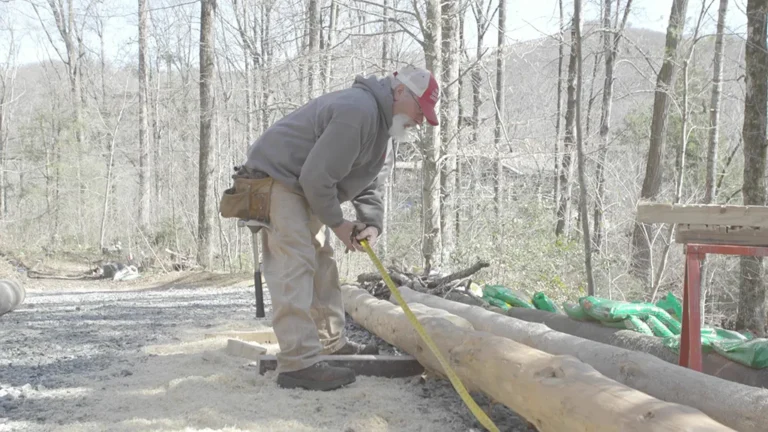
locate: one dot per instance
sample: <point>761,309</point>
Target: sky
<point>526,19</point>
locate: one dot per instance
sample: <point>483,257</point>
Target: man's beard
<point>398,130</point>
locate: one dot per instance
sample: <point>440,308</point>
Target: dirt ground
<point>132,356</point>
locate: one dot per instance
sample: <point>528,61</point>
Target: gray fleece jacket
<point>334,149</point>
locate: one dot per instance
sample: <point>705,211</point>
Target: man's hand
<point>344,233</point>
<point>371,234</point>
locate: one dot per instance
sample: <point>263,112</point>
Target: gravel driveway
<point>90,357</point>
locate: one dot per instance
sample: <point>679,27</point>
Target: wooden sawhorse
<point>707,229</point>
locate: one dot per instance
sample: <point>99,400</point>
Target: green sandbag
<point>724,334</point>
<point>636,324</point>
<point>612,310</point>
<point>672,305</point>
<point>514,298</point>
<point>542,302</point>
<point>752,353</point>
<point>673,343</point>
<point>496,302</point>
<point>575,312</point>
<point>616,324</point>
<point>672,324</point>
<point>657,327</point>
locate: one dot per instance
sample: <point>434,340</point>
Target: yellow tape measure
<point>479,413</point>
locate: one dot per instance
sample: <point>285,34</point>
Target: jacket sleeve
<point>369,204</point>
<point>329,161</point>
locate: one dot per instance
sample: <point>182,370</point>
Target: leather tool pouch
<point>248,198</point>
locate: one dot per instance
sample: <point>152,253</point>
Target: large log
<point>712,363</point>
<point>555,393</point>
<point>12,294</point>
<point>735,405</point>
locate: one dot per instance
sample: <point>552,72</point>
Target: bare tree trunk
<point>580,150</point>
<point>563,225</point>
<point>611,48</point>
<point>561,48</point>
<point>334,15</point>
<point>449,124</point>
<point>432,244</point>
<point>145,191</point>
<point>641,248</point>
<point>498,181</point>
<point>266,55</point>
<point>157,140</point>
<point>249,103</point>
<point>207,112</point>
<point>314,44</point>
<point>751,314</point>
<point>386,43</point>
<point>483,21</point>
<point>7,79</point>
<point>714,109</point>
<point>710,191</point>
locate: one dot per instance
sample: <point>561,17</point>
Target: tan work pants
<point>303,282</point>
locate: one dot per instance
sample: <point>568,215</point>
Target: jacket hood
<point>381,89</point>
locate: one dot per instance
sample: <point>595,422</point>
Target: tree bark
<point>560,56</point>
<point>582,158</point>
<point>566,167</point>
<point>145,191</point>
<point>449,119</point>
<point>501,110</point>
<point>483,21</point>
<point>710,191</point>
<point>751,313</point>
<point>432,239</point>
<point>611,48</point>
<point>334,16</point>
<point>665,82</point>
<point>555,393</point>
<point>207,108</point>
<point>732,404</point>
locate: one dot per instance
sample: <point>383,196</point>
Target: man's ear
<point>399,90</point>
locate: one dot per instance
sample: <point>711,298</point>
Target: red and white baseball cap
<point>422,83</point>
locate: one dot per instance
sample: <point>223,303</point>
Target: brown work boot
<point>356,348</point>
<point>319,376</point>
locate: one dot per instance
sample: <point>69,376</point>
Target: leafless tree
<point>641,248</point>
<point>207,112</point>
<point>751,313</point>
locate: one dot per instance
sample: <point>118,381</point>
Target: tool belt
<point>249,197</point>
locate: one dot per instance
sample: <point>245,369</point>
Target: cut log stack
<point>553,392</point>
<point>12,294</point>
<point>713,363</point>
<point>738,406</point>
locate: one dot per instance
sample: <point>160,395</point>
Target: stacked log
<point>735,405</point>
<point>712,363</point>
<point>12,294</point>
<point>553,392</point>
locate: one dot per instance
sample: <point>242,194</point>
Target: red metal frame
<point>690,340</point>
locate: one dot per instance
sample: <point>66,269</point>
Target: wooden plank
<point>711,214</point>
<point>248,350</point>
<point>721,235</point>
<point>387,366</point>
<point>261,336</point>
